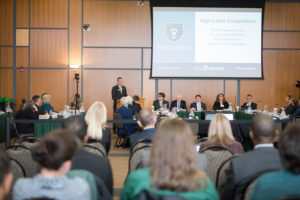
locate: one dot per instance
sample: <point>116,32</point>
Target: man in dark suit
<point>146,120</point>
<point>198,105</point>
<point>263,158</point>
<point>161,102</point>
<point>249,103</point>
<point>135,107</point>
<point>178,103</point>
<point>118,91</point>
<point>99,166</point>
<point>37,103</point>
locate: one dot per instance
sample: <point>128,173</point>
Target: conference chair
<point>149,195</point>
<point>121,131</point>
<point>96,148</point>
<point>139,155</point>
<point>215,156</point>
<point>21,136</point>
<point>17,169</point>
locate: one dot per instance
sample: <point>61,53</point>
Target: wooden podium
<point>141,102</point>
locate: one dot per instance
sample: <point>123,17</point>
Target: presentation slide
<point>207,42</point>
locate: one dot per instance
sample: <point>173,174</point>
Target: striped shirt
<point>58,188</point>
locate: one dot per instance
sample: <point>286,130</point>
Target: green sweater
<point>141,179</point>
<point>276,185</point>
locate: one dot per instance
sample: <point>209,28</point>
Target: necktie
<point>178,105</point>
<point>198,106</point>
<point>120,89</point>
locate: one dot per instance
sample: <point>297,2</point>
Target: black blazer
<point>135,107</point>
<point>26,114</point>
<point>182,104</point>
<point>95,164</point>
<point>194,105</point>
<point>217,105</point>
<point>157,106</point>
<point>252,105</point>
<point>116,94</point>
<point>290,109</point>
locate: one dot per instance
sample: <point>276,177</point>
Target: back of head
<point>219,131</point>
<point>27,104</point>
<point>35,98</point>
<point>129,99</point>
<point>289,148</point>
<point>135,98</point>
<point>77,125</point>
<point>146,117</point>
<point>4,166</point>
<point>46,98</point>
<point>263,128</point>
<point>124,101</point>
<point>96,119</point>
<point>173,158</point>
<point>55,148</point>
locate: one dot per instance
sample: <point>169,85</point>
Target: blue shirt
<point>47,107</point>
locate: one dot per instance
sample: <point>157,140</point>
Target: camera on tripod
<point>76,76</point>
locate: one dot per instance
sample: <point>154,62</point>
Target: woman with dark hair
<point>285,183</point>
<point>220,103</point>
<point>292,107</point>
<point>54,153</point>
<point>173,169</point>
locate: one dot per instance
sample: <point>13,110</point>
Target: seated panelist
<point>161,102</point>
<point>249,103</point>
<point>178,103</point>
<point>198,105</point>
<point>46,103</point>
<point>220,103</point>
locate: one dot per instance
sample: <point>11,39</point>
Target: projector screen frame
<point>207,4</point>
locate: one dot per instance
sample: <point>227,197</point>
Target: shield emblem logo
<point>174,31</point>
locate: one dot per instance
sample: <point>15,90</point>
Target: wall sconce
<point>74,67</point>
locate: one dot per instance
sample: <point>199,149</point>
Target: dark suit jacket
<point>290,109</point>
<point>194,105</point>
<point>146,134</point>
<point>26,114</point>
<point>40,110</point>
<point>95,164</point>
<point>116,94</point>
<point>296,113</point>
<point>217,105</point>
<point>157,106</point>
<point>135,107</point>
<point>182,104</point>
<point>252,105</point>
<point>247,166</point>
<point>126,113</point>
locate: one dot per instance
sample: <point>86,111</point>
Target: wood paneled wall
<point>119,44</point>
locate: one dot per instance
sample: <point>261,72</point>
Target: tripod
<point>77,96</point>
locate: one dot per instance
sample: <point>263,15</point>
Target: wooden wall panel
<point>164,86</point>
<point>117,23</point>
<point>22,37</point>
<point>112,58</point>
<point>148,89</point>
<point>282,16</point>
<point>49,13</point>
<point>98,85</point>
<point>49,48</point>
<point>75,32</point>
<point>230,92</point>
<point>6,22</point>
<point>21,86</point>
<point>22,20</point>
<point>208,89</point>
<point>147,58</point>
<point>53,82</point>
<point>21,57</point>
<point>281,40</point>
<point>6,83</point>
<point>6,57</point>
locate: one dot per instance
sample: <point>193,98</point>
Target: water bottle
<point>230,107</point>
<point>192,114</point>
<point>265,110</point>
<point>81,110</point>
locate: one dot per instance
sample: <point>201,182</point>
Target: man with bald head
<point>178,103</point>
<point>248,166</point>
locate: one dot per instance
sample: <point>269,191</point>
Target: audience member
<point>146,120</point>
<point>296,114</point>
<point>46,103</point>
<point>263,158</point>
<point>134,106</point>
<point>27,111</point>
<point>54,153</point>
<point>173,169</point>
<point>220,133</point>
<point>37,103</point>
<point>198,105</point>
<point>249,104</point>
<point>161,102</point>
<point>285,183</point>
<point>292,107</point>
<point>126,113</point>
<point>99,166</point>
<point>220,103</point>
<point>6,176</point>
<point>97,129</point>
<point>178,103</point>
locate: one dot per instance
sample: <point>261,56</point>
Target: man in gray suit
<point>263,158</point>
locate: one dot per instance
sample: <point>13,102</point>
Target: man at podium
<point>118,91</point>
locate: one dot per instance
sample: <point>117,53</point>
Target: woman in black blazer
<point>220,103</point>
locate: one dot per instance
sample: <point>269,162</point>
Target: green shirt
<point>141,179</point>
<point>276,185</point>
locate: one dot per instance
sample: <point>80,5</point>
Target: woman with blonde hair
<point>220,133</point>
<point>46,103</point>
<point>173,169</point>
<point>97,129</point>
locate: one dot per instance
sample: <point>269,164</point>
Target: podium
<point>141,102</point>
